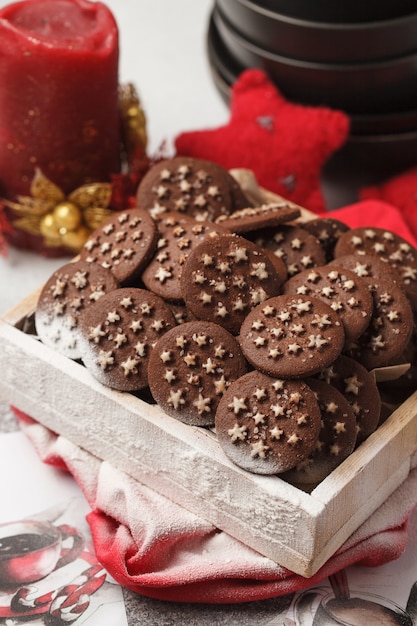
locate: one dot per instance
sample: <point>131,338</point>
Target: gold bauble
<point>48,228</point>
<point>75,239</point>
<point>67,216</point>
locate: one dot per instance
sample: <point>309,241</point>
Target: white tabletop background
<point>163,51</point>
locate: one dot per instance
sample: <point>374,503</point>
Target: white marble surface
<point>163,52</point>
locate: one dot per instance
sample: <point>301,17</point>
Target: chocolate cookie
<point>124,244</point>
<point>390,328</point>
<point>225,277</point>
<point>178,235</point>
<point>197,187</point>
<point>327,231</point>
<point>360,390</point>
<point>292,336</point>
<point>118,334</point>
<point>293,245</point>
<point>265,216</point>
<point>336,439</point>
<point>345,293</point>
<point>387,246</point>
<point>63,298</point>
<point>267,425</point>
<point>190,369</point>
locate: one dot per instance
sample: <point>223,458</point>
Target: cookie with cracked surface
<point>297,248</point>
<point>226,276</point>
<point>178,235</point>
<point>342,290</point>
<point>387,246</point>
<point>264,216</point>
<point>190,369</point>
<point>336,439</point>
<point>267,425</point>
<point>327,230</point>
<point>118,334</point>
<point>359,388</point>
<point>123,244</point>
<point>199,188</point>
<point>292,336</point>
<point>67,292</point>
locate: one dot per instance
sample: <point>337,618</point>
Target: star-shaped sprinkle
<point>221,385</point>
<point>113,317</point>
<point>258,418</point>
<point>120,339</point>
<point>166,356</point>
<point>259,393</point>
<point>96,333</point>
<point>190,359</point>
<point>140,348</point>
<point>293,439</point>
<point>126,302</point>
<point>353,385</point>
<point>237,405</point>
<point>258,448</point>
<point>276,433</point>
<point>105,359</point>
<point>175,399</point>
<point>129,366</point>
<point>58,288</point>
<point>202,404</point>
<point>237,433</point>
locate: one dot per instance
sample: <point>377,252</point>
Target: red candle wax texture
<point>58,94</point>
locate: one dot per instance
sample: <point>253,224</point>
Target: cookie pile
<point>240,318</point>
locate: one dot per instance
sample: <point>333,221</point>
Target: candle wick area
<point>65,23</point>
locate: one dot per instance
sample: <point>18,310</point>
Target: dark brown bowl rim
<point>379,65</point>
<point>320,25</point>
<point>381,16</point>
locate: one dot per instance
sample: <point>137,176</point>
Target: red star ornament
<point>284,144</point>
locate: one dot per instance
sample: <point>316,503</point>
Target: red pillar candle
<point>58,94</point>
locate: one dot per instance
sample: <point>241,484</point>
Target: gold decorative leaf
<point>28,205</point>
<point>92,195</point>
<point>30,224</point>
<point>91,201</point>
<point>95,216</point>
<point>44,189</point>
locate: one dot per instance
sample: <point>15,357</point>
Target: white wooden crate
<point>298,530</point>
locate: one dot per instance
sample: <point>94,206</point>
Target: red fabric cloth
<point>155,547</point>
<point>401,191</point>
<point>376,213</point>
<point>284,144</point>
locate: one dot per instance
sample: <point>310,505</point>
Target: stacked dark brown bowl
<point>359,57</point>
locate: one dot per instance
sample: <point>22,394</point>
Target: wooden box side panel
<point>183,463</point>
<point>376,469</point>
